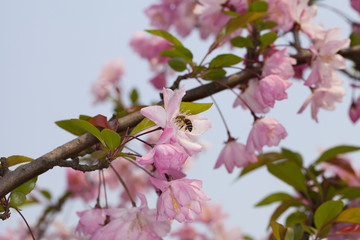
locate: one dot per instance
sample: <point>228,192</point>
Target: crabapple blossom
<point>354,111</point>
<point>187,232</point>
<point>136,223</point>
<point>279,64</point>
<point>159,80</point>
<point>234,154</point>
<point>323,98</point>
<point>109,77</point>
<point>211,213</point>
<point>166,154</point>
<point>265,131</point>
<point>171,116</point>
<point>279,13</point>
<point>179,199</point>
<point>80,185</point>
<point>90,221</point>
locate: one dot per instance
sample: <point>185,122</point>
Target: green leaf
<point>46,194</point>
<point>224,60</point>
<point>192,108</point>
<point>274,197</point>
<point>71,127</point>
<point>258,6</point>
<point>166,36</point>
<point>292,202</point>
<point>84,117</point>
<point>134,96</point>
<point>17,199</point>
<point>351,215</point>
<point>214,74</point>
<point>279,230</point>
<point>145,123</point>
<point>295,217</point>
<point>26,187</point>
<point>88,127</point>
<point>17,159</point>
<point>267,39</point>
<point>354,39</point>
<point>349,192</point>
<point>263,159</point>
<point>178,51</point>
<point>241,42</point>
<point>178,64</point>
<point>294,156</point>
<point>267,25</point>
<point>290,173</point>
<point>332,152</point>
<point>122,154</point>
<point>238,22</point>
<point>326,212</point>
<point>100,154</point>
<point>112,139</point>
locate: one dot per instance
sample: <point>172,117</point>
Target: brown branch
<point>57,157</point>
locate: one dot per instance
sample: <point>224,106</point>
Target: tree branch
<point>57,157</point>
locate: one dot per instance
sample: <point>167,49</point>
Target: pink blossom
<point>187,232</point>
<point>279,13</point>
<point>265,131</point>
<point>279,64</point>
<point>136,223</point>
<point>167,153</point>
<point>325,58</point>
<point>108,79</point>
<point>80,185</point>
<point>159,81</point>
<point>179,199</point>
<point>234,154</point>
<point>354,111</point>
<point>211,213</point>
<point>171,116</point>
<point>90,221</point>
<point>323,98</point>
<point>186,20</point>
<point>272,88</point>
<point>161,15</point>
<point>355,4</point>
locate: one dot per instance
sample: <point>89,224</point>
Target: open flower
<point>186,127</point>
<point>179,198</point>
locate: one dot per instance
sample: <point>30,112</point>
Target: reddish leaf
<point>353,228</point>
<point>99,121</point>
<point>341,163</point>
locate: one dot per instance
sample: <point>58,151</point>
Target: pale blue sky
<point>50,54</point>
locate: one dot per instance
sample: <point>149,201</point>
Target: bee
<point>184,122</point>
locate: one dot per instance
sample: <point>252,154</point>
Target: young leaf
<point>289,172</point>
<point>350,192</point>
<point>89,128</point>
<point>266,25</point>
<point>225,60</point>
<point>258,6</point>
<point>17,199</point>
<point>177,63</point>
<point>17,159</point>
<point>294,156</point>
<point>332,152</point>
<point>26,187</point>
<point>354,39</point>
<point>292,202</point>
<point>279,230</point>
<point>263,159</point>
<point>267,39</point>
<point>134,96</point>
<point>294,218</point>
<point>71,127</point>
<point>275,197</point>
<point>111,138</point>
<point>192,108</point>
<point>326,212</point>
<point>241,42</point>
<point>166,36</point>
<point>238,22</point>
<point>145,123</point>
<point>214,74</point>
<point>351,215</point>
<point>178,51</point>
<point>100,154</point>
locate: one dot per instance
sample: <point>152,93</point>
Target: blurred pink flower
<point>159,80</point>
<point>211,213</point>
<point>279,13</point>
<point>80,185</point>
<point>234,154</point>
<point>108,79</point>
<point>90,221</point>
<point>187,232</point>
<point>355,4</point>
<point>265,131</point>
<point>179,198</point>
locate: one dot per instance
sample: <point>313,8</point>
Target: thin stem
<point>104,186</point>
<point>139,166</point>
<point>99,191</point>
<point>124,185</point>
<point>31,233</point>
